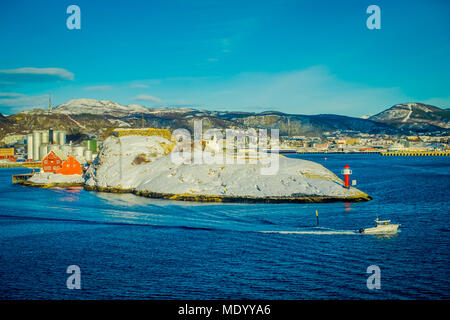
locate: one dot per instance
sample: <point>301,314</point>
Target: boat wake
<point>323,231</point>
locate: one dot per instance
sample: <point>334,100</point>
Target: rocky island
<point>143,165</point>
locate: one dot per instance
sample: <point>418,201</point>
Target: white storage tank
<point>45,137</point>
<point>53,147</point>
<point>66,149</point>
<point>42,151</point>
<point>88,155</point>
<point>62,137</point>
<point>36,144</point>
<point>30,146</point>
<point>78,151</point>
<point>55,137</point>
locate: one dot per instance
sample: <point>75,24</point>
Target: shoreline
<point>202,197</point>
<point>231,199</point>
<point>51,184</point>
<point>21,165</point>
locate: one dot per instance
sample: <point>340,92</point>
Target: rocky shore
<point>230,199</point>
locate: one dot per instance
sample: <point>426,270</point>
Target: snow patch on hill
<point>92,106</point>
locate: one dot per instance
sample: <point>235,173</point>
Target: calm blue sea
<point>129,247</point>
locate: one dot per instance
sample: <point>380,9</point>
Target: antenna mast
<point>143,120</point>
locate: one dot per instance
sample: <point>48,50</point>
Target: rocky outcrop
<point>144,166</point>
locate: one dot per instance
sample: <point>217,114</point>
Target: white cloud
<point>30,74</point>
<point>20,102</point>
<point>139,85</point>
<point>147,98</point>
<point>6,95</point>
<point>99,88</point>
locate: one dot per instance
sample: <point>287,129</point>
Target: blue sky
<point>305,57</point>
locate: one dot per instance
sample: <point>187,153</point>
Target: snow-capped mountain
<point>103,107</point>
<point>89,116</point>
<point>414,115</point>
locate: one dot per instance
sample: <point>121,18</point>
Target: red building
<point>52,162</point>
<point>70,166</point>
<point>58,163</point>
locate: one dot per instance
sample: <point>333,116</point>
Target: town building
<point>52,162</point>
<point>6,153</point>
<point>58,162</point>
<point>70,166</point>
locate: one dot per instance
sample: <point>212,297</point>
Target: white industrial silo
<point>88,155</point>
<point>30,146</point>
<point>36,144</point>
<point>55,137</point>
<point>42,151</point>
<point>78,151</point>
<point>45,137</point>
<point>62,137</point>
<point>53,147</point>
<point>66,149</point>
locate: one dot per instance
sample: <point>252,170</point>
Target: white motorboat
<point>383,227</point>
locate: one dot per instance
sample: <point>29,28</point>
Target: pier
<point>337,152</point>
<point>20,164</point>
<point>416,153</point>
<point>20,178</point>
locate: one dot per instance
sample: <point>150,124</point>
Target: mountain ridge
<point>413,115</point>
<point>85,116</point>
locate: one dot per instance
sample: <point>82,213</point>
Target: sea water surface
<point>130,247</point>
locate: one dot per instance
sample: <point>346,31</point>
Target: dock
<point>20,164</point>
<point>416,153</point>
<point>20,178</point>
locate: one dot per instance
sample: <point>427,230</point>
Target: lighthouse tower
<point>346,172</point>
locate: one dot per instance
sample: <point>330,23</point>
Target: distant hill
<point>84,116</point>
<point>92,106</point>
<point>417,117</point>
<point>3,118</point>
<point>306,125</point>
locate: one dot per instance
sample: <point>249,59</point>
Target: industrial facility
<point>41,142</point>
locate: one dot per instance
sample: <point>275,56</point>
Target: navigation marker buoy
<point>347,172</point>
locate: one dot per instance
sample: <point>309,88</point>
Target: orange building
<point>52,162</point>
<point>70,166</point>
<point>7,153</point>
<point>58,163</point>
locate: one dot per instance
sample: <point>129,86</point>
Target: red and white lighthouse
<point>347,172</point>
